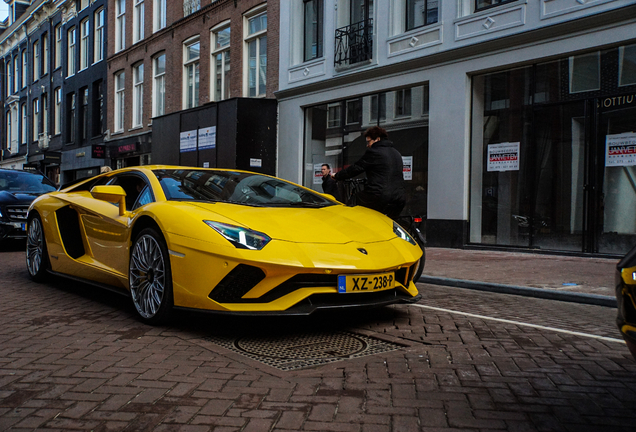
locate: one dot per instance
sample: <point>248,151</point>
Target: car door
<point>108,232</point>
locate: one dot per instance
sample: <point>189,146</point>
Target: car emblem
<point>364,251</point>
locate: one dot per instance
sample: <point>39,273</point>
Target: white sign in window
<point>407,167</point>
<point>503,157</point>
<point>207,138</point>
<point>620,150</point>
<point>188,141</point>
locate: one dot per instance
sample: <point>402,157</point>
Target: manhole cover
<point>288,352</point>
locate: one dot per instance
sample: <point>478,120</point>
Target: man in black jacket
<point>384,190</point>
<point>329,185</point>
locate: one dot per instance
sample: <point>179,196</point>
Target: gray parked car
<point>17,190</point>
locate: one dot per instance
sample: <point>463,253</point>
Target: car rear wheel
<point>150,277</point>
<point>420,264</point>
<point>37,257</point>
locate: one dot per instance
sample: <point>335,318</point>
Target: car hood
<point>17,198</point>
<point>334,224</point>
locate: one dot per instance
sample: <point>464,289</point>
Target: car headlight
<point>241,238</point>
<point>401,233</point>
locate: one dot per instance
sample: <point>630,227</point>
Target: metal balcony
<point>354,43</point>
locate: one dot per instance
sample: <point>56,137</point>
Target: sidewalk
<point>567,278</point>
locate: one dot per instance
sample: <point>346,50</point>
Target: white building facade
<point>516,118</point>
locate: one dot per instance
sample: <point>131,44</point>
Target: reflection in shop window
<point>333,119</point>
<point>585,72</point>
<point>403,102</point>
<point>627,65</point>
<point>354,111</point>
<point>378,107</point>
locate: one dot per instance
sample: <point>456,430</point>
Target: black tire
<point>37,256</point>
<point>150,277</point>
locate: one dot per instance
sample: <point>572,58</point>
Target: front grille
<point>237,283</point>
<point>17,213</point>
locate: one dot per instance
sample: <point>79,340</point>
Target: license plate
<point>366,282</point>
<point>23,227</point>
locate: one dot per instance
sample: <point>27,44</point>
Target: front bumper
<point>12,230</point>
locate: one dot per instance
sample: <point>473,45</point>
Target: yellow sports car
<point>626,299</point>
<point>219,240</point>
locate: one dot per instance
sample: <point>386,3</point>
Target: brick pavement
<point>72,357</point>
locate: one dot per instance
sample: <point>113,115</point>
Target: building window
<point>138,20</point>
<point>9,77</point>
<point>191,74</point>
<point>85,32</point>
<point>119,101</point>
<point>25,62</point>
<point>160,9</point>
<point>585,72</point>
<point>82,4</point>
<point>83,114</point>
<point>627,65</point>
<point>420,13</point>
<point>72,52</point>
<point>191,6</point>
<point>403,103</point>
<point>313,29</point>
<point>45,114</point>
<point>98,108</point>
<point>58,46</point>
<point>120,25</point>
<point>354,111</point>
<point>36,119</point>
<point>484,4</point>
<point>16,74</point>
<point>45,54</point>
<point>256,48</point>
<point>159,85</point>
<point>70,117</point>
<point>57,113</point>
<point>221,62</point>
<point>138,95</point>
<point>98,51</point>
<point>23,123</point>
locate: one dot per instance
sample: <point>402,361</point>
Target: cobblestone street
<point>73,357</point>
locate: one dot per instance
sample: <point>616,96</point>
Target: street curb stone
<point>591,299</point>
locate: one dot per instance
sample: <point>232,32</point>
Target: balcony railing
<point>354,43</point>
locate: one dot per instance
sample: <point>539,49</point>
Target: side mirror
<point>112,194</point>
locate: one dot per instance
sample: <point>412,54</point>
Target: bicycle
<point>411,223</point>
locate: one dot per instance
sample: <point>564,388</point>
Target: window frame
<point>493,5</point>
<point>25,62</point>
<point>58,47</point>
<point>159,20</point>
<point>84,44</point>
<point>120,25</point>
<point>45,55</point>
<point>120,101</point>
<point>317,33</point>
<point>158,86</point>
<point>255,37</point>
<point>71,39</point>
<point>138,95</point>
<point>57,111</point>
<point>138,20</point>
<point>23,123</point>
<point>98,35</point>
<point>36,119</point>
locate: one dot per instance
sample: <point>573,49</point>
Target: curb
<point>592,299</point>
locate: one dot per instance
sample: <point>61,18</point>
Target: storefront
<point>334,135</point>
<point>553,148</point>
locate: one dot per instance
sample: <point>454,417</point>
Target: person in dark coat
<point>329,185</point>
<point>384,189</point>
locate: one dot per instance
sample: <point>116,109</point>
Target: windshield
<point>25,182</point>
<point>237,188</point>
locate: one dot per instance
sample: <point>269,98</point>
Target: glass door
<point>616,152</point>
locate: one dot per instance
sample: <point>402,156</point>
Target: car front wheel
<point>150,277</point>
<point>37,257</point>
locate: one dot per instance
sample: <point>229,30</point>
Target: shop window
<point>585,72</point>
<point>191,53</point>
<point>221,62</point>
<point>627,65</point>
<point>256,48</point>
<point>313,29</point>
<point>159,85</point>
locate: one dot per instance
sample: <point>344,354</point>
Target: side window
<point>134,186</point>
<point>145,197</point>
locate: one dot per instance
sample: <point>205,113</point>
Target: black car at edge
<point>626,297</point>
<point>18,189</point>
